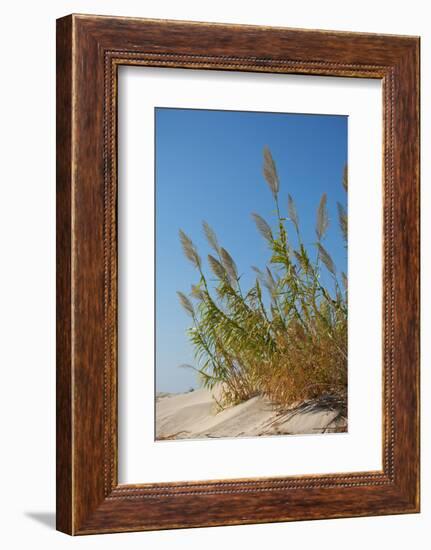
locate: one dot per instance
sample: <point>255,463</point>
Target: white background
<point>141,458</point>
<point>27,209</point>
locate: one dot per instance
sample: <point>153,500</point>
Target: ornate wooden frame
<point>89,51</point>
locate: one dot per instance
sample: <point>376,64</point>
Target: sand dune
<point>195,415</point>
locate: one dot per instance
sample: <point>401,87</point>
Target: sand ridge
<point>195,415</point>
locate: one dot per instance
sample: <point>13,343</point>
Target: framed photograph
<point>237,274</point>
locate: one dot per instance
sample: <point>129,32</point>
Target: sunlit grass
<point>286,336</point>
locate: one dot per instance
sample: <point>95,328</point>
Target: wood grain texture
<point>90,49</point>
<point>64,497</point>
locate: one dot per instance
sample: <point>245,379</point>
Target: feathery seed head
<point>322,218</point>
<point>263,227</point>
<point>344,279</point>
<point>211,236</point>
<point>342,219</point>
<point>217,268</point>
<point>270,171</point>
<point>326,259</point>
<point>197,292</point>
<point>189,249</point>
<point>186,303</point>
<point>291,210</point>
<point>229,265</point>
<point>345,178</point>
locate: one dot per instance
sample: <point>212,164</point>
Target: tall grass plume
<point>285,337</point>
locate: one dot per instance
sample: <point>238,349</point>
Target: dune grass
<point>286,336</point>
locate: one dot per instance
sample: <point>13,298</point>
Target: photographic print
<point>251,274</point>
<point>237,232</point>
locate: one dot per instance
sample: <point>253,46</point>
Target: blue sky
<point>209,167</point>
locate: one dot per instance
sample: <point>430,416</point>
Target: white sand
<point>195,415</point>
